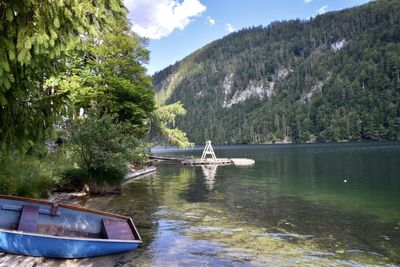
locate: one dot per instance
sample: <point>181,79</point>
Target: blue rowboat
<point>41,228</point>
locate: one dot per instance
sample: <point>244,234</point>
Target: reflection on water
<point>209,172</point>
<point>291,208</point>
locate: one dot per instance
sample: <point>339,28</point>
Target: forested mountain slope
<point>331,78</point>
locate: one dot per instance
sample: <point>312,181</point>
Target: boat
<point>41,228</point>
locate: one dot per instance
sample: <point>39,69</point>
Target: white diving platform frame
<point>209,151</point>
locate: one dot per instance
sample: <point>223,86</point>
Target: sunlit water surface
<point>318,205</point>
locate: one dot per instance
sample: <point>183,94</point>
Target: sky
<point>176,28</point>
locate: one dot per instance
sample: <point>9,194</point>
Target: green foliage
<point>162,122</point>
<point>110,71</point>
<point>36,41</point>
<point>57,57</point>
<point>108,74</point>
<point>26,176</point>
<point>101,149</point>
<point>310,91</point>
<point>140,154</point>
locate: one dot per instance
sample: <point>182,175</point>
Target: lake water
<point>314,204</point>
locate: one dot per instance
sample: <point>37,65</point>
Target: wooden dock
<point>222,161</point>
<point>165,158</point>
<point>195,162</point>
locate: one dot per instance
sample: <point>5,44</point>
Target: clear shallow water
<point>291,208</point>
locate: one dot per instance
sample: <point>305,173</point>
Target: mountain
<point>335,77</point>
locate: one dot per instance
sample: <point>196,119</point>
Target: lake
<point>308,204</point>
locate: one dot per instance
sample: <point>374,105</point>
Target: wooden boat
<point>41,228</point>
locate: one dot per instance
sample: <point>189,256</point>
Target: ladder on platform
<point>208,150</point>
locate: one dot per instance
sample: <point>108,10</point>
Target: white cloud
<point>307,1</point>
<point>230,28</point>
<point>159,18</point>
<point>322,10</point>
<point>210,21</point>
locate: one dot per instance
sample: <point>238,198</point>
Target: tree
<point>36,38</point>
<point>101,150</point>
<point>162,122</point>
<point>110,72</point>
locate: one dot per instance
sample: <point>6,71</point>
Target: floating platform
<point>243,162</point>
<point>221,161</point>
<point>206,162</point>
<point>208,151</point>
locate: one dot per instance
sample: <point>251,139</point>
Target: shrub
<point>101,148</point>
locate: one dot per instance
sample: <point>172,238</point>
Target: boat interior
<point>29,223</point>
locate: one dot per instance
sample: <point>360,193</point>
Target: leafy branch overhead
<point>35,44</point>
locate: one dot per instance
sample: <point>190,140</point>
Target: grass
<point>29,176</point>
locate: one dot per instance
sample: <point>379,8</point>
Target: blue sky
<point>176,28</point>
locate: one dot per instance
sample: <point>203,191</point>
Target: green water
<point>293,207</point>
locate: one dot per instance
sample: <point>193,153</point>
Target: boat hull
<point>60,247</point>
<point>41,228</point>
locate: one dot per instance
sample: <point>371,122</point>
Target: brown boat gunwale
<point>44,202</point>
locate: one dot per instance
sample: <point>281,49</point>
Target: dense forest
<point>334,77</point>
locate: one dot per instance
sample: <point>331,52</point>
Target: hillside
<point>334,77</point>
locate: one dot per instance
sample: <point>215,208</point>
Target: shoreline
<point>81,199</point>
<point>201,147</point>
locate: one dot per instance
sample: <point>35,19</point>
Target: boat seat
<point>29,219</point>
<point>114,229</point>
